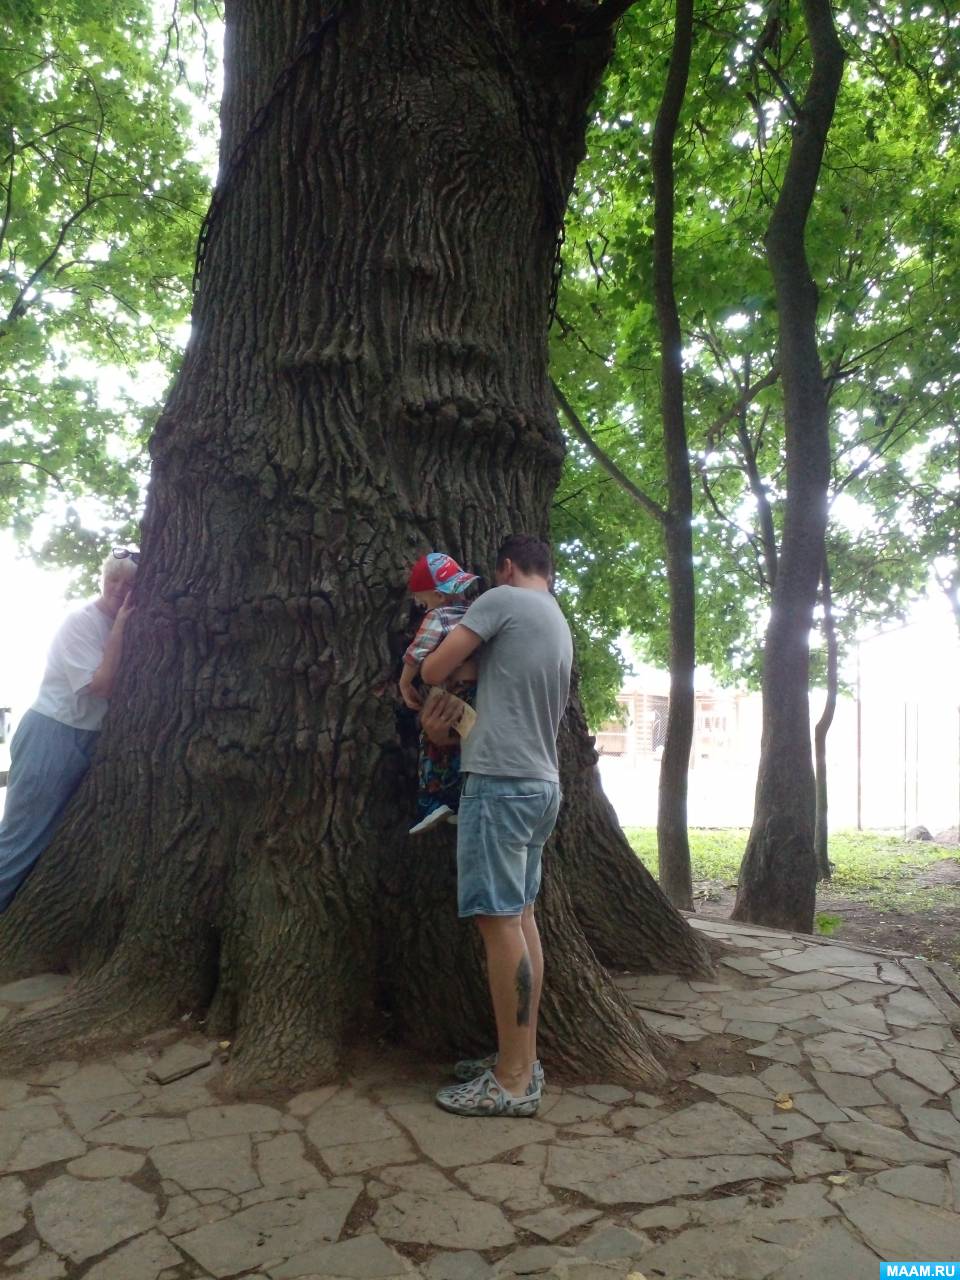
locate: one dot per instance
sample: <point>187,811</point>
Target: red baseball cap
<point>439,572</point>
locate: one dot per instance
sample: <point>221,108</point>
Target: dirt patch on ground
<point>931,930</point>
<point>932,933</point>
<point>946,871</point>
<point>717,1055</point>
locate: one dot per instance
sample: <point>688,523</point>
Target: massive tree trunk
<point>673,844</point>
<point>778,875</point>
<point>366,379</point>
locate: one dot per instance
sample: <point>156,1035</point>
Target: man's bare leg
<point>531,936</point>
<point>510,975</point>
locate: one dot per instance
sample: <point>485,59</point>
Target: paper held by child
<point>467,717</point>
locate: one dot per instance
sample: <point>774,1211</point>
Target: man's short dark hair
<point>530,555</point>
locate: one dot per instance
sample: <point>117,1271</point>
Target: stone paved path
<point>816,1131</point>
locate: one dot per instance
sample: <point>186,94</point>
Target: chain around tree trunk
<point>308,47</point>
<point>554,196</point>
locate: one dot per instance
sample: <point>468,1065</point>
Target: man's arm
<point>449,654</point>
<point>438,718</point>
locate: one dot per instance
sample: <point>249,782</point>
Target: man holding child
<point>508,807</point>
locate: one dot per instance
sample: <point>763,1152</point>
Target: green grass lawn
<point>872,867</point>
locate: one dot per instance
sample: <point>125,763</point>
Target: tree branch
<point>846,367</point>
<point>886,440</point>
<point>33,142</point>
<point>745,533</point>
<point>768,535</point>
<point>749,394</point>
<point>8,201</point>
<point>782,85</point>
<point>19,306</point>
<point>626,484</point>
<point>26,462</point>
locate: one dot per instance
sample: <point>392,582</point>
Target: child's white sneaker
<point>431,820</point>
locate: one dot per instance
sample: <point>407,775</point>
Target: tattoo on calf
<point>524,986</point>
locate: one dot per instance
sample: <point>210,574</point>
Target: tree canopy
<point>101,193</point>
<point>881,248</point>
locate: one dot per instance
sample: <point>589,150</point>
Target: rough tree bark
<point>779,871</point>
<point>366,378</point>
<point>822,827</point>
<point>673,845</point>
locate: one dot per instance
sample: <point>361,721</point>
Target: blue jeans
<point>504,823</point>
<point>47,761</point>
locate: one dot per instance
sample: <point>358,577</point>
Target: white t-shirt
<point>75,654</point>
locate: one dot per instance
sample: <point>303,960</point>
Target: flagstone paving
<point>811,1128</point>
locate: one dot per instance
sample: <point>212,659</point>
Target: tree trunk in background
<point>672,842</point>
<point>949,578</point>
<point>822,829</point>
<point>779,871</point>
<point>366,379</point>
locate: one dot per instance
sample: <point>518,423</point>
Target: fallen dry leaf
<point>783,1102</point>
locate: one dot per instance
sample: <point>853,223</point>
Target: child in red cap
<point>439,584</point>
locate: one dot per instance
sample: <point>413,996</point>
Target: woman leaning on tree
<point>53,745</point>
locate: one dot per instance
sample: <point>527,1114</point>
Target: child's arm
<point>409,694</point>
<point>429,634</point>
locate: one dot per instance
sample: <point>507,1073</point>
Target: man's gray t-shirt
<point>523,683</point>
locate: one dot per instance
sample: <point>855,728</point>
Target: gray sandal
<point>485,1096</point>
<point>470,1068</point>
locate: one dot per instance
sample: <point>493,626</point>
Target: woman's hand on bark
<point>123,614</point>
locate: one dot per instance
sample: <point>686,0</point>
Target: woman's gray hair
<point>117,568</point>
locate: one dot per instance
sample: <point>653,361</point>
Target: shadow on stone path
<point>833,1144</point>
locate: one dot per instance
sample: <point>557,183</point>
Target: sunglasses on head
<point>121,553</point>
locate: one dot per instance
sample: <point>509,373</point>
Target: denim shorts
<point>503,825</point>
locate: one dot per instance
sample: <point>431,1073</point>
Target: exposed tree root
<point>292,935</point>
<point>110,1007</point>
<point>588,1030</point>
<point>625,916</point>
<point>296,972</point>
